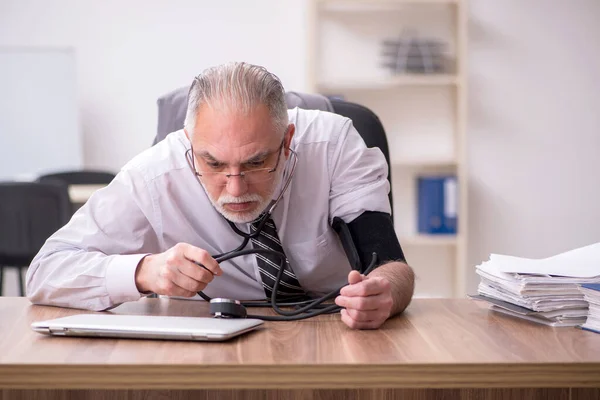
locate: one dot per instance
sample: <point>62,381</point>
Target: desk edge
<point>330,376</point>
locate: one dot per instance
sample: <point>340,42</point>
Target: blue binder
<point>592,286</point>
<point>437,199</point>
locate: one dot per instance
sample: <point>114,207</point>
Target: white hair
<point>239,87</point>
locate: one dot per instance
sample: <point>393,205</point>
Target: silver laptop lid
<point>146,326</point>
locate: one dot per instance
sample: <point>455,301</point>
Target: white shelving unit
<point>389,82</point>
<point>424,115</point>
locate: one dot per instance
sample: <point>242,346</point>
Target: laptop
<point>147,327</point>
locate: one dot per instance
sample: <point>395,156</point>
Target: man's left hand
<point>367,301</point>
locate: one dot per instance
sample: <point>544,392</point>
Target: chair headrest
<point>308,101</point>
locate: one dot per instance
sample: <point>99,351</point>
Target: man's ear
<point>187,134</point>
<point>289,134</point>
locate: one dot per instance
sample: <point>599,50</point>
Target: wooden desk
<point>437,349</point>
<point>79,194</point>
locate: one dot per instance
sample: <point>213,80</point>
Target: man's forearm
<point>402,282</point>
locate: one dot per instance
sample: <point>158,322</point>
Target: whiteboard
<point>39,126</point>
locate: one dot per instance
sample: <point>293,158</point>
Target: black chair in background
<point>29,213</point>
<point>172,108</point>
<point>84,177</point>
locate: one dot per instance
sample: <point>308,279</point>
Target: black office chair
<point>29,213</point>
<point>172,108</point>
<point>83,177</point>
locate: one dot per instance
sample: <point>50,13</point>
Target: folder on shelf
<point>437,204</point>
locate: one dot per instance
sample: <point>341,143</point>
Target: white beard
<point>241,217</point>
<point>246,217</point>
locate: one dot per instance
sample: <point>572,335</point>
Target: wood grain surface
<point>322,394</point>
<point>437,343</point>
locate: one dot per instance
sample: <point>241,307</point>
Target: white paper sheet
<point>583,262</point>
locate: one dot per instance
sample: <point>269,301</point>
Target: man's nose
<point>236,185</point>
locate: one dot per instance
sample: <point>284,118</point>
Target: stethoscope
<point>231,308</point>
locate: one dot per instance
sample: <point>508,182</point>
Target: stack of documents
<point>591,293</point>
<point>546,290</point>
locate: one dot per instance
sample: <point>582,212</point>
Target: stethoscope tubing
<point>305,306</point>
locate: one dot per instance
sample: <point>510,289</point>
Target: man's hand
<point>367,301</point>
<point>175,272</point>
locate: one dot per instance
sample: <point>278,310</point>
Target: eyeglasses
<point>221,178</point>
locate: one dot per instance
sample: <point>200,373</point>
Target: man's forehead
<point>229,121</point>
<point>230,134</point>
<point>228,152</point>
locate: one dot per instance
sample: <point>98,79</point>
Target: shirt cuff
<point>120,278</point>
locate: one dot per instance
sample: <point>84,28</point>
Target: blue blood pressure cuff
<point>371,232</point>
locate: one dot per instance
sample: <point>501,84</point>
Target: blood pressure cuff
<point>371,232</point>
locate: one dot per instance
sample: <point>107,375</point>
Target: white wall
<point>52,140</point>
<point>534,132</point>
<point>131,52</point>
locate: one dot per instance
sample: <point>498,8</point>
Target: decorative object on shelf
<point>410,54</point>
<point>437,204</point>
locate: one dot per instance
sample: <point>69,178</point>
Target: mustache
<point>225,199</point>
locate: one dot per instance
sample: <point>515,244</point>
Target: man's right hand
<point>175,272</point>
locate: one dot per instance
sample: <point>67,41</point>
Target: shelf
<point>376,5</point>
<point>81,193</point>
<point>429,240</point>
<point>400,80</point>
<point>424,163</point>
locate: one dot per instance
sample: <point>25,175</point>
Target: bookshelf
<point>376,5</point>
<point>389,82</point>
<point>424,115</point>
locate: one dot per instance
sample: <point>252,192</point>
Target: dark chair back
<point>83,177</point>
<point>30,212</point>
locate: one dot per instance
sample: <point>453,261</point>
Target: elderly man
<point>157,226</point>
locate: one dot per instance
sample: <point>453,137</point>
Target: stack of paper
<point>546,290</point>
<point>591,293</point>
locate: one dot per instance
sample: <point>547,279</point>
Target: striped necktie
<point>268,264</point>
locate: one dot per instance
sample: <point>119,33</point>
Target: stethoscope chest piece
<point>227,308</point>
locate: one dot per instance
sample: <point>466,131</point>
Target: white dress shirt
<point>156,202</point>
